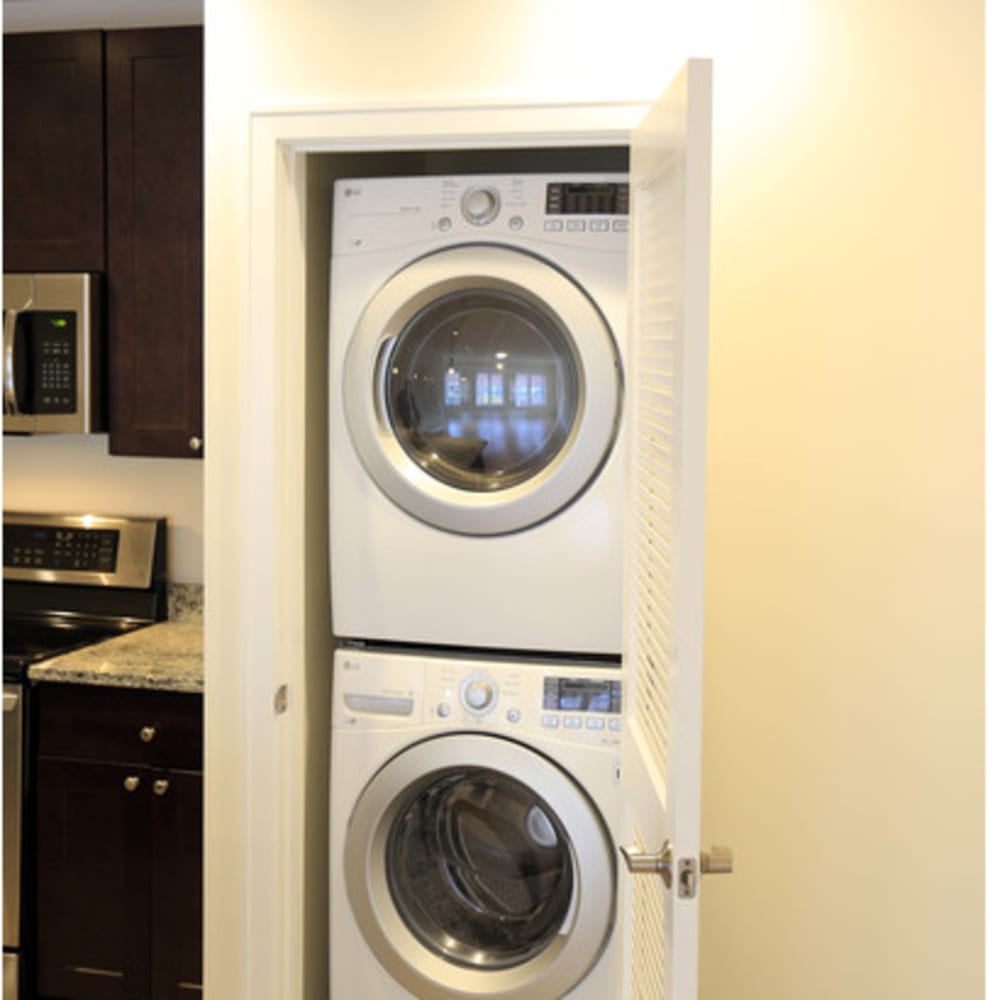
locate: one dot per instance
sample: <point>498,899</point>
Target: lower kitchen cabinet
<point>118,872</point>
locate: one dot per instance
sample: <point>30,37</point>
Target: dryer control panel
<point>570,210</point>
<point>380,689</point>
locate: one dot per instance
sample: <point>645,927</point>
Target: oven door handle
<point>10,407</point>
<point>11,699</point>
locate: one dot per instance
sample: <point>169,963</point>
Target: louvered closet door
<point>664,557</point>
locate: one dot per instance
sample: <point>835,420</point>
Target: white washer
<point>471,804</point>
<point>477,475</point>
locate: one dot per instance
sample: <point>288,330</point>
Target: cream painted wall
<point>74,472</point>
<point>844,658</point>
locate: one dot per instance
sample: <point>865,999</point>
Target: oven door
<point>13,735</point>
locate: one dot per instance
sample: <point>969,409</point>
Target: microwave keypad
<point>55,374</point>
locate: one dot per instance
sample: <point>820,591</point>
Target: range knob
<point>480,205</point>
<point>478,694</point>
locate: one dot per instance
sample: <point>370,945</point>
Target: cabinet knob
<point>195,442</point>
<point>131,783</point>
<point>147,734</point>
<point>160,786</point>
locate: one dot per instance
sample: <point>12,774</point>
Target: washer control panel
<point>577,702</point>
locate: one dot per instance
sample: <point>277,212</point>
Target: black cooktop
<point>29,640</point>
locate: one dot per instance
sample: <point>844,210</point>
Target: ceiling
<point>54,15</point>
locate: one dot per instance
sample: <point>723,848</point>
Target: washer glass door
<point>482,389</point>
<point>467,881</point>
<point>480,869</point>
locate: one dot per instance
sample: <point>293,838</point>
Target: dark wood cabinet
<point>118,870</point>
<point>53,160</point>
<point>103,162</point>
<point>154,169</point>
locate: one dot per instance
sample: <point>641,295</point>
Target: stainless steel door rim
<point>560,305</point>
<point>569,951</point>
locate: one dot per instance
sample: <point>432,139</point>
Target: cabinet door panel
<point>154,109</point>
<point>53,141</point>
<point>92,881</point>
<point>153,728</point>
<point>176,886</point>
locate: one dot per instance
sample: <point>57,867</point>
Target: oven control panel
<point>82,549</point>
<point>48,547</point>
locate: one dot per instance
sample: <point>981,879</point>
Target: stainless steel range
<point>69,580</point>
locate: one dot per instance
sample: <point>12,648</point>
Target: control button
<point>553,226</point>
<point>513,715</point>
<point>599,226</point>
<point>615,725</point>
<point>620,225</point>
<point>550,721</point>
<point>595,723</point>
<point>443,710</point>
<point>478,694</point>
<point>516,223</point>
<point>572,722</point>
<point>480,205</point>
<point>444,224</point>
<point>576,226</point>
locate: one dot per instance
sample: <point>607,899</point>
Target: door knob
<point>160,786</point>
<point>714,861</point>
<point>147,734</point>
<point>660,863</point>
<point>717,861</point>
<point>131,783</point>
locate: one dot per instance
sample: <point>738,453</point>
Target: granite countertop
<point>164,657</point>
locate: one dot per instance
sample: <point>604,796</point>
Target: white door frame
<point>258,895</point>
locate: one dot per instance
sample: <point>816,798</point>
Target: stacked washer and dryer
<point>476,484</point>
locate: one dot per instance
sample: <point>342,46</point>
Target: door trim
<point>265,914</point>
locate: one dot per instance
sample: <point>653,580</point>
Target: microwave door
<point>48,378</point>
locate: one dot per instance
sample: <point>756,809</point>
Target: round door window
<point>479,869</point>
<point>482,389</point>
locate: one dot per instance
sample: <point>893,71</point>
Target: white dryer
<point>476,329</point>
<point>471,804</point>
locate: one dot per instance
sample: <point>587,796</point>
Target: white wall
<point>844,729</point>
<point>71,473</point>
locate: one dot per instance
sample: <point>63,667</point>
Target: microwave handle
<point>10,407</point>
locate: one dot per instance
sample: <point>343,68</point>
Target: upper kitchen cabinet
<point>53,141</point>
<point>154,190</point>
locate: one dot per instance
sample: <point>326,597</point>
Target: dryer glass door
<point>482,389</point>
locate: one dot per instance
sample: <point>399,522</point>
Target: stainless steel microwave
<point>53,358</point>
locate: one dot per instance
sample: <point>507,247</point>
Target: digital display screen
<point>582,694</point>
<point>588,198</point>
